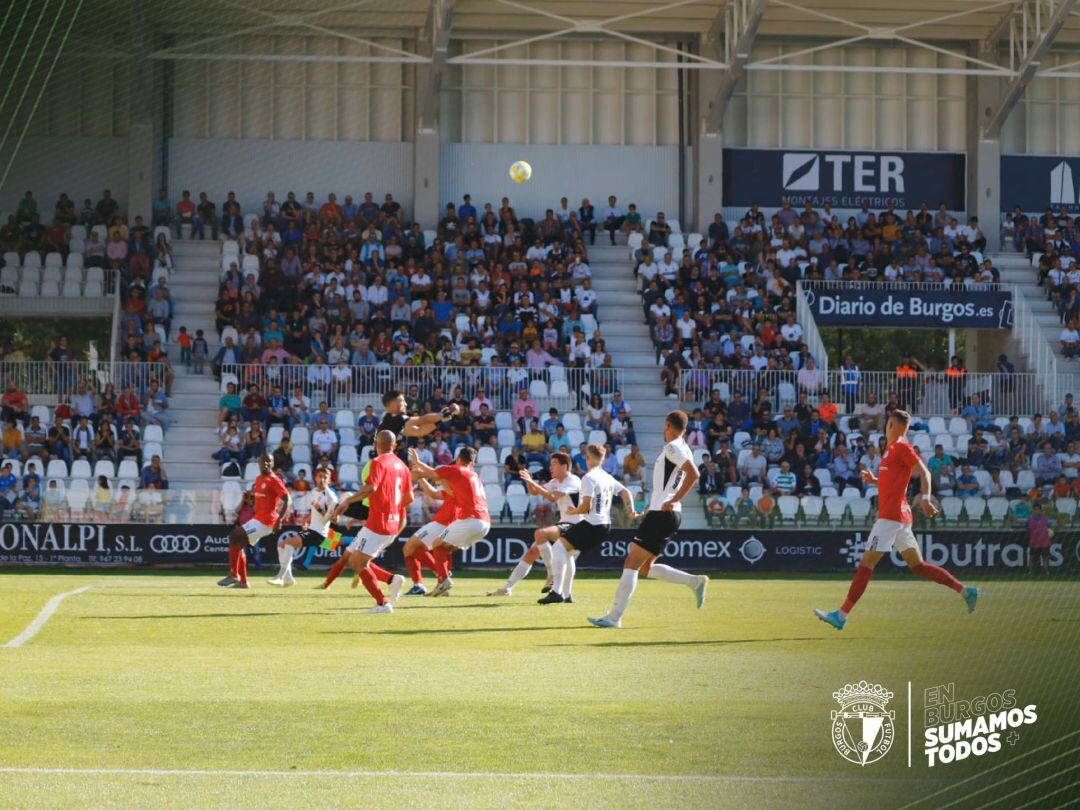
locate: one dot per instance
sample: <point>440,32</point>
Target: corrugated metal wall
<point>253,167</point>
<point>645,175</point>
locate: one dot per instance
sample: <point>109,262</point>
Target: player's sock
<point>559,561</point>
<point>241,567</point>
<point>367,576</point>
<point>627,584</point>
<point>669,574</point>
<point>424,558</point>
<point>441,558</point>
<point>863,575</point>
<point>412,565</point>
<point>521,570</point>
<point>937,574</point>
<point>335,571</point>
<point>568,575</point>
<point>234,562</point>
<point>545,555</point>
<point>380,573</point>
<point>285,556</point>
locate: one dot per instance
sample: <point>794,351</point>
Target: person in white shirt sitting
<point>1070,340</point>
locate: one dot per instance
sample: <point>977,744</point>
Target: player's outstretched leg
<point>863,574</point>
<point>540,549</point>
<point>695,582</point>
<point>370,576</point>
<point>937,574</point>
<point>636,559</point>
<point>417,557</point>
<point>335,571</point>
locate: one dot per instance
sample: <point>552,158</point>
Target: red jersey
<point>894,475</point>
<point>268,490</point>
<point>389,475</point>
<point>468,492</point>
<point>448,512</point>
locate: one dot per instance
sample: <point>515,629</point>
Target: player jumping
<point>562,490</point>
<point>892,529</point>
<point>418,548</point>
<point>473,521</point>
<point>269,490</point>
<point>389,492</point>
<point>292,539</point>
<point>598,490</point>
<point>674,475</point>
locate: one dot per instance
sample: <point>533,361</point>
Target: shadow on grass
<point>209,615</point>
<point>703,643</point>
<point>454,631</point>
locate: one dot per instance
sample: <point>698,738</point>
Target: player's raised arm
<point>689,481</point>
<point>536,489</point>
<point>416,426</point>
<point>421,469</point>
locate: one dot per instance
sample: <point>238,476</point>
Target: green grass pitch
<point>476,702</point>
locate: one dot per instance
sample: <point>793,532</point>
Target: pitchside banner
<point>845,179</point>
<point>720,550</point>
<point>1035,182</point>
<point>857,305</point>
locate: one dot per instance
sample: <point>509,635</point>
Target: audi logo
<point>175,544</point>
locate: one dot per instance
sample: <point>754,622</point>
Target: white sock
<point>623,593</point>
<point>568,574</point>
<point>559,560</point>
<point>285,557</point>
<point>669,574</point>
<point>545,555</point>
<point>521,570</point>
<point>842,613</point>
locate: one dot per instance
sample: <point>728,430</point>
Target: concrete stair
<point>193,436</point>
<point>622,323</point>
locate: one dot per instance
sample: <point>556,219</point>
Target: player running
<point>892,529</point>
<point>418,548</point>
<point>292,539</point>
<point>562,490</point>
<point>674,475</point>
<point>472,522</point>
<point>598,491</point>
<point>269,490</point>
<point>389,492</point>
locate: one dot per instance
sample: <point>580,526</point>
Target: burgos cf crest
<point>862,730</point>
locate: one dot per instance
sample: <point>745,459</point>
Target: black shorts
<point>656,529</point>
<point>307,537</point>
<point>584,535</point>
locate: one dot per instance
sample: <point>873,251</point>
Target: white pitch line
<point>446,775</point>
<point>46,614</point>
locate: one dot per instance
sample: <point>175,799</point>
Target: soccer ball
<point>520,171</point>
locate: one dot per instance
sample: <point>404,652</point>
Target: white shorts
<point>369,543</point>
<point>463,533</point>
<point>886,535</point>
<point>256,530</point>
<point>429,533</point>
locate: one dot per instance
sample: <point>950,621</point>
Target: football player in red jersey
<point>892,530</point>
<point>269,491</point>
<point>388,489</point>
<point>418,548</point>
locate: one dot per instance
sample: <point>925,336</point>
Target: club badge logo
<point>862,731</point>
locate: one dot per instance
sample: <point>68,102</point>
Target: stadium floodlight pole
<point>741,21</point>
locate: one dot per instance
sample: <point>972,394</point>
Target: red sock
<point>424,558</point>
<point>372,585</point>
<point>442,562</point>
<point>863,574</point>
<point>381,574</point>
<point>938,575</point>
<point>241,565</point>
<point>233,561</point>
<point>335,571</point>
<point>412,565</point>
